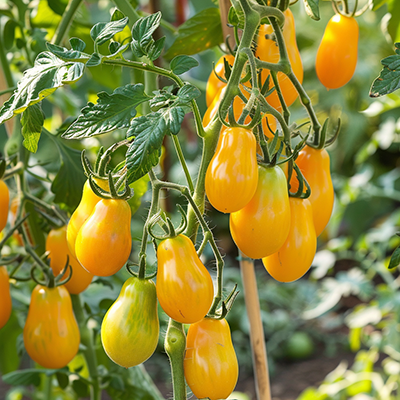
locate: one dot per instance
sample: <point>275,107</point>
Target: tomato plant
<point>184,286</point>
<point>51,334</point>
<point>295,256</point>
<point>337,54</point>
<point>211,368</point>
<point>130,328</point>
<point>261,227</point>
<point>103,244</point>
<point>59,253</point>
<point>233,169</point>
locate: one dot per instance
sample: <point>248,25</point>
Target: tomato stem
<point>175,344</point>
<point>182,160</point>
<point>66,19</point>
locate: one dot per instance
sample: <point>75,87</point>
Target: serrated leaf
<point>144,153</point>
<point>156,49</point>
<point>389,78</point>
<point>395,259</point>
<point>173,118</point>
<point>312,8</point>
<point>112,111</point>
<point>188,93</point>
<point>77,44</point>
<point>103,31</point>
<point>94,60</point>
<point>65,54</point>
<point>32,122</point>
<point>201,32</point>
<point>24,377</point>
<point>161,99</point>
<point>182,63</point>
<point>68,183</point>
<point>142,32</point>
<point>48,74</point>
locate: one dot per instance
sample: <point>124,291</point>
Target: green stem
<point>89,352</point>
<point>9,90</point>
<point>16,169</point>
<point>66,19</point>
<point>46,206</point>
<point>175,343</point>
<point>182,160</point>
<point>285,109</point>
<point>47,387</point>
<point>126,8</point>
<point>4,62</point>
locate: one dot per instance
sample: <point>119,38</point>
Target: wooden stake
<point>259,352</point>
<point>224,6</point>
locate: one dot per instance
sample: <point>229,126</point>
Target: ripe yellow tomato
<point>267,50</point>
<point>4,204</point>
<point>296,255</point>
<point>233,169</point>
<point>210,364</point>
<point>337,54</point>
<point>315,167</point>
<point>130,328</point>
<point>57,246</point>
<point>261,227</point>
<point>51,333</point>
<point>104,242</point>
<point>82,212</point>
<point>214,85</point>
<point>5,297</point>
<point>184,286</point>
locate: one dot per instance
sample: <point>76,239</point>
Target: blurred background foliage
<point>349,302</point>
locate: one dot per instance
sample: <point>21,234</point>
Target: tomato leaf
<point>68,183</point>
<point>312,8</point>
<point>389,79</point>
<point>103,31</point>
<point>58,6</point>
<point>377,4</point>
<point>32,122</point>
<point>94,60</point>
<point>48,74</point>
<point>24,377</point>
<point>80,387</point>
<point>395,259</point>
<point>77,44</point>
<point>62,380</point>
<point>112,111</point>
<point>188,93</point>
<point>182,63</point>
<point>65,54</point>
<point>9,357</point>
<point>144,153</point>
<point>199,33</point>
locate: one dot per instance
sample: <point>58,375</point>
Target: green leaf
<point>162,98</point>
<point>144,153</point>
<point>24,377</point>
<point>94,60</point>
<point>9,358</point>
<point>117,15</point>
<point>182,63</point>
<point>103,31</point>
<point>393,25</point>
<point>312,8</point>
<point>48,74</point>
<point>395,259</point>
<point>68,183</point>
<point>62,380</point>
<point>201,32</point>
<point>65,54</point>
<point>80,388</point>
<point>58,6</point>
<point>188,93</point>
<point>389,78</point>
<point>142,31</point>
<point>155,50</point>
<point>173,118</point>
<point>32,122</point>
<point>111,112</point>
<point>9,33</point>
<point>77,44</point>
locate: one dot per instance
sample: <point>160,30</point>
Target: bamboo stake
<point>259,352</point>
